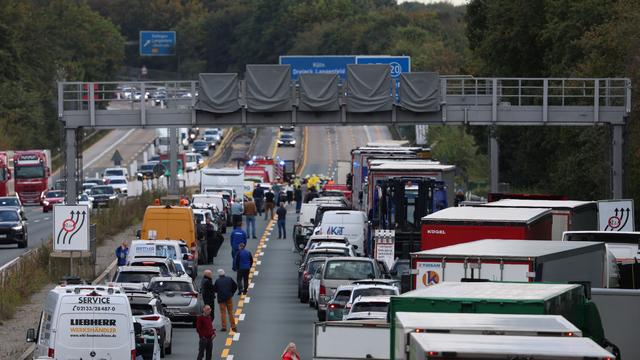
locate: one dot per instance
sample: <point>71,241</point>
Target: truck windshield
<point>29,172</point>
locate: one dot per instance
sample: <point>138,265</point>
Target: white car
<point>120,184</point>
<point>337,246</point>
<point>191,163</point>
<point>215,133</point>
<point>135,277</point>
<point>314,287</point>
<point>369,308</point>
<point>86,187</point>
<point>84,199</point>
<point>147,310</point>
<point>115,171</point>
<point>369,290</point>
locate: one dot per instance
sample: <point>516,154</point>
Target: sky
<point>454,2</point>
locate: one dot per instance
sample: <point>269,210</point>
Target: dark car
<point>286,139</point>
<point>11,202</point>
<point>51,198</point>
<point>200,147</point>
<point>150,170</point>
<point>103,195</point>
<point>304,277</point>
<point>287,128</point>
<point>13,227</point>
<point>401,270</point>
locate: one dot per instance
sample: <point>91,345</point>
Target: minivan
<point>350,223</point>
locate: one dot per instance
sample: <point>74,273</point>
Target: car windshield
<point>402,268</point>
<point>54,194</point>
<point>286,136</point>
<point>119,181</point>
<point>114,173</point>
<point>9,202</point>
<point>163,267</point>
<point>134,277</point>
<point>199,143</point>
<point>373,306</point>
<point>163,286</point>
<point>349,270</point>
<point>147,166</point>
<point>342,296</point>
<point>102,190</point>
<point>9,215</point>
<point>141,309</point>
<point>372,292</point>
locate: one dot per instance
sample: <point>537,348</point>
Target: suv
<point>102,195</point>
<point>343,271</point>
<point>148,310</point>
<point>135,277</point>
<point>369,308</point>
<point>180,297</point>
<point>166,265</point>
<point>13,227</point>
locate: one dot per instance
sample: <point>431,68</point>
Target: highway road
<point>270,316</point>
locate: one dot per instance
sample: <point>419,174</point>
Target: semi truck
<point>227,178</point>
<point>456,225</point>
<point>5,174</point>
<point>516,260</point>
<point>32,169</point>
<point>568,215</point>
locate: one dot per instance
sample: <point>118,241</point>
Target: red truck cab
<point>31,174</point>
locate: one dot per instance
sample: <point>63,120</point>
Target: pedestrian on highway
<point>289,192</point>
<point>236,211</point>
<point>225,288</point>
<point>269,204</point>
<point>207,291</point>
<point>258,197</point>
<point>243,264</point>
<point>282,217</point>
<point>206,332</point>
<point>311,194</point>
<point>203,257</point>
<point>238,236</point>
<point>250,212</point>
<point>276,190</point>
<point>210,239</point>
<point>122,252</point>
<point>297,196</point>
<point>290,352</point>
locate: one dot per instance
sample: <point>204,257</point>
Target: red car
<point>50,198</point>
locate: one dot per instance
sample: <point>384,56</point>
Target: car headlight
<point>112,197</point>
<point>16,228</point>
<point>293,141</point>
<point>280,142</point>
<point>45,203</point>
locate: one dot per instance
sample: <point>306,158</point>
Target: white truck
<point>161,142</point>
<point>85,322</point>
<point>351,340</point>
<point>228,178</point>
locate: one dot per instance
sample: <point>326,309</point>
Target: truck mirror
<point>31,335</point>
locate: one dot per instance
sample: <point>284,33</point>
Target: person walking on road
<point>250,213</point>
<point>236,211</point>
<point>206,332</point>
<point>311,194</point>
<point>290,352</point>
<point>238,236</point>
<point>203,257</point>
<point>243,264</point>
<point>210,239</point>
<point>225,287</point>
<point>277,188</point>
<point>206,289</point>
<point>289,192</point>
<point>297,196</point>
<point>269,204</point>
<point>122,252</point>
<point>282,217</point>
<point>258,197</point>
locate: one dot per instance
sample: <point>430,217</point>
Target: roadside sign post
<point>616,215</point>
<point>71,230</point>
<point>385,246</point>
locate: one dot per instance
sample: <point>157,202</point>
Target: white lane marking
<point>266,239</point>
<point>251,285</point>
<point>259,262</point>
<point>241,317</point>
<point>264,246</point>
<point>108,149</point>
<point>236,337</point>
<point>247,300</point>
<point>46,218</point>
<point>35,221</point>
<point>230,357</point>
<point>256,273</point>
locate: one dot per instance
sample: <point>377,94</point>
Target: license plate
<point>3,236</point>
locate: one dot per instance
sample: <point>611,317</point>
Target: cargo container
<point>351,340</point>
<point>567,214</point>
<point>620,313</point>
<point>567,300</point>
<point>495,347</point>
<point>477,324</point>
<point>458,225</point>
<point>515,260</point>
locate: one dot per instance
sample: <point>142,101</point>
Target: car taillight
<point>306,276</point>
<point>50,353</point>
<point>133,354</point>
<point>323,290</point>
<point>190,257</point>
<point>332,306</point>
<point>190,294</point>
<point>150,318</point>
<point>348,306</point>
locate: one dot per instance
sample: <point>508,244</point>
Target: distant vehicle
<point>350,223</point>
<point>13,227</point>
<point>150,170</point>
<point>360,289</point>
<point>115,172</point>
<point>401,271</point>
<point>179,296</point>
<point>120,184</point>
<point>149,311</point>
<point>67,312</point>
<point>191,162</point>
<point>51,198</point>
<point>86,187</point>
<point>287,128</point>
<point>336,306</point>
<point>201,147</point>
<point>305,273</point>
<point>103,195</point>
<point>94,181</point>
<point>369,308</point>
<point>214,132</point>
<point>11,202</point>
<point>84,199</point>
<point>32,169</point>
<point>286,139</point>
<point>169,222</point>
<point>212,140</point>
<point>135,277</point>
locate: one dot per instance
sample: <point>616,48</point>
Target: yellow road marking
<point>228,342</point>
<point>238,312</point>
<point>304,154</point>
<point>225,353</point>
<point>240,303</point>
<point>275,145</point>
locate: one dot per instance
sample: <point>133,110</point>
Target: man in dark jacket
<point>207,291</point>
<point>206,333</point>
<point>238,236</point>
<point>243,264</point>
<point>269,204</point>
<point>225,287</point>
<point>202,243</point>
<point>258,197</point>
<point>297,196</point>
<point>210,236</point>
<point>282,216</point>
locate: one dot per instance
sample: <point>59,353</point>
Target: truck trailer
<point>456,225</point>
<point>351,340</point>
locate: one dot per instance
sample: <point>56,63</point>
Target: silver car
<point>179,296</point>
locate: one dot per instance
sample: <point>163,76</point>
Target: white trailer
<point>227,178</point>
<point>424,346</point>
<point>620,313</point>
<point>351,340</point>
<point>407,323</point>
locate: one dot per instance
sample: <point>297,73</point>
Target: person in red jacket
<point>290,352</point>
<point>206,332</point>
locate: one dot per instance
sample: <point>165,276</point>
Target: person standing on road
<point>290,352</point>
<point>206,332</point>
<point>210,239</point>
<point>297,196</point>
<point>236,211</point>
<point>225,287</point>
<point>282,217</point>
<point>311,194</point>
<point>238,236</point>
<point>269,204</point>
<point>258,197</point>
<point>122,252</point>
<point>250,213</point>
<point>203,257</point>
<point>243,264</point>
<point>289,192</point>
<point>207,291</point>
<point>276,191</point>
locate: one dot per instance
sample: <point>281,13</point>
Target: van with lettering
<point>350,223</point>
<point>85,322</point>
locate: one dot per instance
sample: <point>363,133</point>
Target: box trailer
<point>513,260</point>
<point>458,225</point>
<point>454,346</point>
<point>351,340</point>
<point>620,313</point>
<point>567,300</point>
<point>567,214</point>
<point>479,324</point>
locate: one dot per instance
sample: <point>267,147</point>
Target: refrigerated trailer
<point>515,260</point>
<point>567,214</point>
<point>456,225</point>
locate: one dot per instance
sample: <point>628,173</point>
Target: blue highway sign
<point>157,43</point>
<point>312,64</point>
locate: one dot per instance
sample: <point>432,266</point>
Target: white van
<point>307,213</point>
<point>191,162</point>
<point>350,223</point>
<point>85,322</point>
<point>152,248</point>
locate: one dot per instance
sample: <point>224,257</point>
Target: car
<point>287,128</point>
<point>216,204</point>
<point>314,286</point>
<point>286,139</point>
<point>180,297</point>
<point>159,96</point>
<point>148,310</point>
<point>369,308</point>
<point>362,288</point>
<point>51,198</point>
<point>150,170</point>
<point>211,140</point>
<point>191,162</point>
<point>60,184</point>
<point>305,273</point>
<point>13,227</point>
<point>200,215</point>
<point>11,202</point>
<point>95,181</point>
<point>86,187</point>
<point>115,172</point>
<point>401,271</point>
<point>200,147</point>
<point>86,200</point>
<point>348,249</point>
<point>134,277</point>
<point>103,195</point>
<point>166,265</point>
<point>120,184</point>
<point>216,133</point>
<point>336,306</point>
<point>316,239</point>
